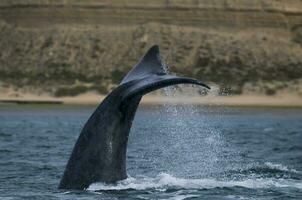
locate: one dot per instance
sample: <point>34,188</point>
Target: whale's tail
<point>150,75</point>
<point>150,63</point>
<point>100,151</point>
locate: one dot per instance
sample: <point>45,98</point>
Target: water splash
<point>209,142</point>
<point>163,182</point>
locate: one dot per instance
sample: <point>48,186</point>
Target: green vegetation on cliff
<point>70,55</point>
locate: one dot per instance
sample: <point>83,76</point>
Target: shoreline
<point>90,98</point>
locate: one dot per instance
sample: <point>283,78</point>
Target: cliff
<point>67,47</point>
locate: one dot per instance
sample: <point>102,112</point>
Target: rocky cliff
<point>67,47</point>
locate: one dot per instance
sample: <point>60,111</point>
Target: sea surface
<point>174,152</point>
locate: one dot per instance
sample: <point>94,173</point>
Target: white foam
<point>182,197</point>
<point>280,167</point>
<point>268,129</point>
<point>165,181</point>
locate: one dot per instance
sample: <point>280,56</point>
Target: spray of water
<point>182,122</point>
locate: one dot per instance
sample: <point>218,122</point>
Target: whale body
<point>99,154</point>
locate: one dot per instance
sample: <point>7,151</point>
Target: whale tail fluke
<point>149,64</point>
<point>150,75</point>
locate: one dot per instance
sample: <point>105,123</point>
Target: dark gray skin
<point>99,154</point>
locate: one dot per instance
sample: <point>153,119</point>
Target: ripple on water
<point>183,152</point>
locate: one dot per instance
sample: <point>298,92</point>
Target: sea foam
<point>165,181</point>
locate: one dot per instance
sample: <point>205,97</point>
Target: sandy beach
<point>92,98</point>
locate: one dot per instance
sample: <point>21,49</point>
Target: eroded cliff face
<point>73,46</point>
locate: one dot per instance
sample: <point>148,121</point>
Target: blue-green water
<point>175,152</point>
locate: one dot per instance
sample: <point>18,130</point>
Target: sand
<point>92,98</point>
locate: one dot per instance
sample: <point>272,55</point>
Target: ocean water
<point>174,152</point>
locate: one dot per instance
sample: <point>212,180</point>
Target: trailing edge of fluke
<point>99,154</point>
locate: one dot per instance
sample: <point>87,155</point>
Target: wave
<point>281,167</point>
<point>266,170</point>
<point>165,181</point>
